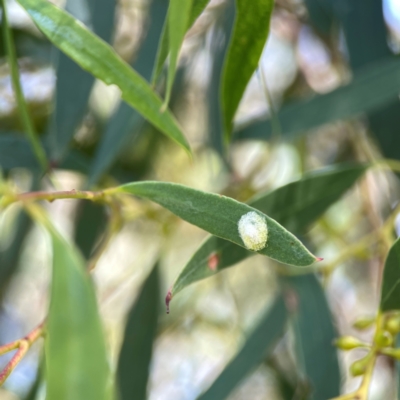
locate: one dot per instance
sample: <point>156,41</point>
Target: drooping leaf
<point>73,84</point>
<point>90,223</point>
<point>219,47</point>
<point>10,255</point>
<point>178,22</point>
<point>125,121</point>
<point>295,206</point>
<point>140,332</point>
<point>372,87</point>
<point>365,32</point>
<point>390,292</point>
<point>76,359</point>
<point>248,39</point>
<point>197,8</point>
<point>94,55</point>
<point>15,152</point>
<point>220,216</point>
<point>314,336</point>
<point>257,346</point>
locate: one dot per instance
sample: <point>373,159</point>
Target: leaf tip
<point>168,299</point>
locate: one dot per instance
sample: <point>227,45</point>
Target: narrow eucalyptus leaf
<point>96,56</point>
<point>197,8</point>
<point>140,331</point>
<point>258,345</point>
<point>126,122</point>
<point>220,215</point>
<point>73,84</point>
<point>314,337</point>
<point>390,292</point>
<point>76,359</point>
<point>178,23</point>
<point>296,206</point>
<point>372,87</point>
<point>247,42</point>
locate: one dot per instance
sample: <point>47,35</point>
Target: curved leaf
<point>249,36</point>
<point>74,85</point>
<point>314,336</point>
<point>260,342</point>
<point>136,350</point>
<point>390,296</point>
<point>96,56</point>
<point>198,7</point>
<point>178,23</point>
<point>220,216</point>
<point>295,206</point>
<point>125,121</point>
<point>76,359</point>
<point>371,88</point>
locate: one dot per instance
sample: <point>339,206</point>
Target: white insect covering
<point>253,230</point>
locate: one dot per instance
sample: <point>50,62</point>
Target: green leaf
<point>314,336</point>
<point>259,344</point>
<point>178,23</point>
<point>10,255</point>
<point>73,84</point>
<point>140,332</point>
<point>220,216</point>
<point>247,42</point>
<point>76,359</point>
<point>126,122</point>
<point>96,56</point>
<point>198,7</point>
<point>390,295</point>
<point>373,87</point>
<point>90,224</point>
<point>15,152</point>
<point>295,206</point>
<point>223,30</point>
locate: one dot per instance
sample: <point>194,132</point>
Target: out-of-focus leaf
<point>136,350</point>
<point>220,215</point>
<point>9,256</point>
<point>321,15</point>
<point>94,55</point>
<point>295,206</point>
<point>74,85</point>
<point>15,152</point>
<point>390,295</point>
<point>76,359</point>
<point>314,336</point>
<point>219,47</point>
<point>125,120</point>
<point>197,8</point>
<point>91,220</point>
<point>373,87</point>
<point>178,22</point>
<point>257,346</point>
<point>246,45</point>
<point>286,389</point>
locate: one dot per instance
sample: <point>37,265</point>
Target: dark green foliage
<point>140,332</point>
<point>256,348</point>
<point>315,334</point>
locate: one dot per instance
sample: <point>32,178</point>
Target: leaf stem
<point>22,106</point>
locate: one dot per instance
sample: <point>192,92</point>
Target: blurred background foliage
<point>326,92</point>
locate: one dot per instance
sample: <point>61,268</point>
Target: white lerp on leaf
<point>253,230</point>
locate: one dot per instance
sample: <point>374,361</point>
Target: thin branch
<point>23,345</point>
